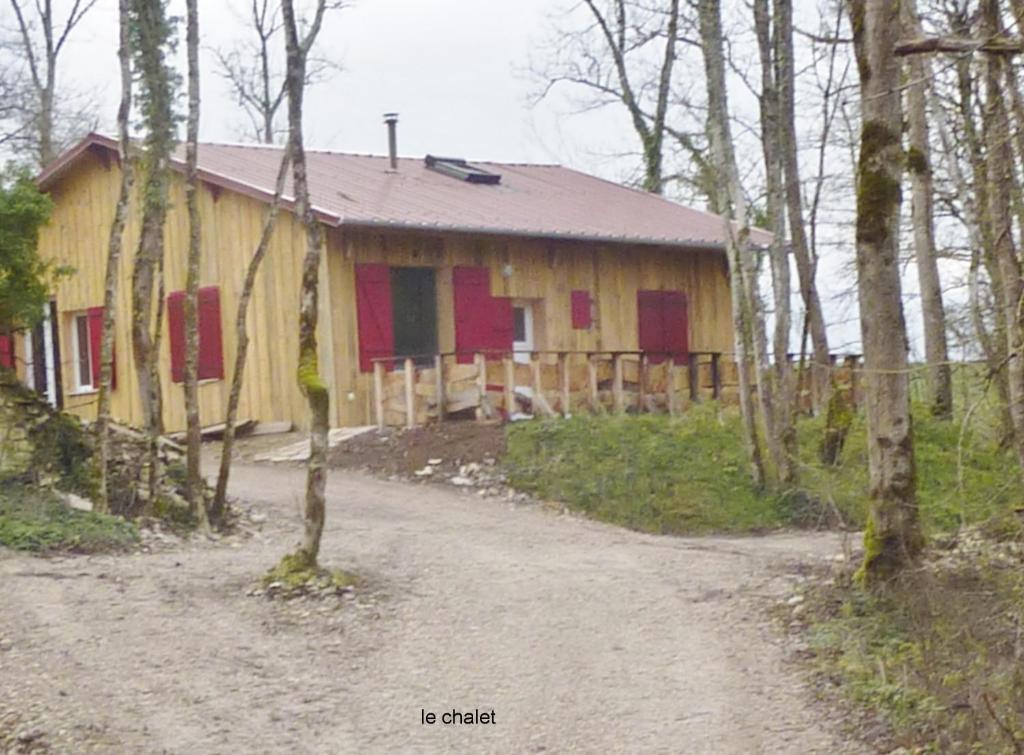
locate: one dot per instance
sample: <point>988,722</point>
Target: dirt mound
<point>404,452</point>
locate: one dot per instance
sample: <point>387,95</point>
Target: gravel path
<point>579,636</point>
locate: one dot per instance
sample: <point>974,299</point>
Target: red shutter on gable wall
<point>374,314</point>
<point>96,348</point>
<point>580,305</point>
<point>211,349</point>
<point>7,352</point>
<point>663,324</point>
<point>502,328</point>
<point>176,334</point>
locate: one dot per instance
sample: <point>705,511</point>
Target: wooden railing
<point>412,390</point>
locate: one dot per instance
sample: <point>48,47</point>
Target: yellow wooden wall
<point>78,233</point>
<point>541,270</point>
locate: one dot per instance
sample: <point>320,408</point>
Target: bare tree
<point>778,385</point>
<point>893,536</point>
<point>114,249</point>
<point>219,505</point>
<point>802,251</point>
<point>152,40</point>
<point>600,59</point>
<point>1000,180</point>
<point>41,35</point>
<point>310,381</point>
<point>742,273</point>
<point>919,162</point>
<point>194,481</point>
<point>252,72</point>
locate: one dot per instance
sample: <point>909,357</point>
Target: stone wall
<point>22,412</point>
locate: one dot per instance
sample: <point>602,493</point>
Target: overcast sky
<point>455,71</point>
<point>452,69</point>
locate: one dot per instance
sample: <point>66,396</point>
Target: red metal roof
<point>531,200</point>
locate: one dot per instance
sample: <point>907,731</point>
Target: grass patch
<point>35,519</point>
<point>938,656</point>
<point>689,475</point>
<point>958,483</point>
<point>649,472</point>
<point>295,575</point>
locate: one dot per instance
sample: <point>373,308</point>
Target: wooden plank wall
<point>543,271</point>
<point>77,235</point>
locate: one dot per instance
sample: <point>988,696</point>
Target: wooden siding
<point>540,270</point>
<point>77,235</point>
<point>543,271</point>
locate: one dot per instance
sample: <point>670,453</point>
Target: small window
<point>82,353</point>
<point>458,168</point>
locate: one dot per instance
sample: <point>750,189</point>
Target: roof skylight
<point>458,168</point>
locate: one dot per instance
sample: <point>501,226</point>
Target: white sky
<point>455,72</point>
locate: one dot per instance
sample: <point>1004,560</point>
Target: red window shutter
<point>7,352</point>
<point>211,349</point>
<point>474,311</point>
<point>502,327</point>
<point>581,319</point>
<point>675,320</point>
<point>374,314</point>
<point>96,348</point>
<point>176,334</point>
<point>650,324</point>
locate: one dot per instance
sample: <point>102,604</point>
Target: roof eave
<point>691,244</point>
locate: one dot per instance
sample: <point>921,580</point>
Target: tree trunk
<point>781,428</point>
<point>738,232</point>
<point>999,153</point>
<point>194,481</point>
<point>919,162</point>
<point>893,536</point>
<point>114,249</point>
<point>152,35</point>
<point>821,367</point>
<point>310,381</point>
<point>219,506</point>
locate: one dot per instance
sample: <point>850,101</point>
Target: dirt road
<point>579,636</point>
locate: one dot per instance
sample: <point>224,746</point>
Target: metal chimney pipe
<point>392,120</point>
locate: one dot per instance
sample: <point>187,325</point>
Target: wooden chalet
<point>446,286</point>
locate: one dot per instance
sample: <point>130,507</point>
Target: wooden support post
<point>410,393</point>
<point>378,392</point>
<point>595,397</point>
<point>641,399</point>
<point>539,402</point>
<point>617,393</point>
<point>671,397</point>
<point>481,385</point>
<point>563,373</point>
<point>694,377</point>
<point>716,376</point>
<point>439,387</point>
<point>510,385</point>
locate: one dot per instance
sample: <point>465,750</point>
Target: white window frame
<point>76,347</point>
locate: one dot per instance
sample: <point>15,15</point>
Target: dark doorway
<point>414,304</point>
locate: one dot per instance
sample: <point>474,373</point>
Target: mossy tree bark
<point>310,381</point>
<point>939,375</point>
<point>115,247</point>
<point>152,35</point>
<point>893,536</point>
<point>194,488</point>
<point>219,506</point>
<point>737,224</point>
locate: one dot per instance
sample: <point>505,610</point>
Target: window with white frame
<point>82,352</point>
